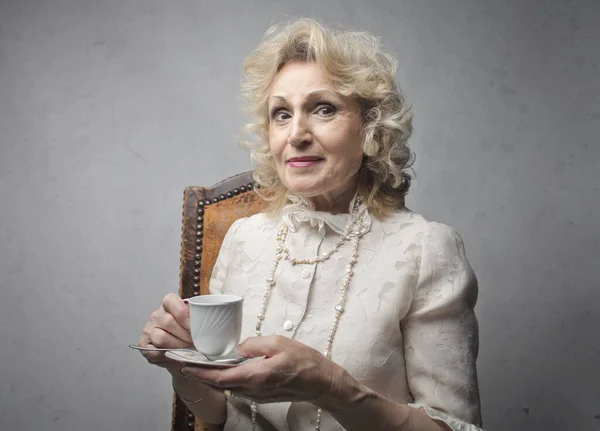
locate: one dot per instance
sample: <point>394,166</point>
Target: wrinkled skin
<point>168,327</point>
<point>290,371</point>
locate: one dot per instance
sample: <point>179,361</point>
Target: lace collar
<point>299,211</point>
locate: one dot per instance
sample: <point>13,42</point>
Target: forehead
<point>299,78</point>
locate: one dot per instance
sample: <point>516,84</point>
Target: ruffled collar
<point>299,211</point>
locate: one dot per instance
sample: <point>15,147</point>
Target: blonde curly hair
<point>356,66</point>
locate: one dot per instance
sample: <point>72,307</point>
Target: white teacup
<point>215,323</point>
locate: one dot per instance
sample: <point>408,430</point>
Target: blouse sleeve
<point>441,333</point>
<point>219,272</point>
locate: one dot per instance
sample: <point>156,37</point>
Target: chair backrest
<point>208,212</point>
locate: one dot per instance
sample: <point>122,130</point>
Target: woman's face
<point>314,136</point>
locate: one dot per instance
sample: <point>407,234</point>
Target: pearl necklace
<point>353,231</point>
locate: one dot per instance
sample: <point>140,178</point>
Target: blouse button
<point>305,274</point>
<point>288,325</point>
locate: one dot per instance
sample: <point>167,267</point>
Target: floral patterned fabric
<point>408,330</point>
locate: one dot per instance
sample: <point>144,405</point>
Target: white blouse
<point>408,330</point>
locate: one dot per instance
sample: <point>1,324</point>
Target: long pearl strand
<point>353,231</point>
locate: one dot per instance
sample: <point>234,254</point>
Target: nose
<point>300,134</point>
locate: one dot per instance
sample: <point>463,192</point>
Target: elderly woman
<point>362,309</point>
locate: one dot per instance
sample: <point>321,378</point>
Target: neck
<point>335,202</point>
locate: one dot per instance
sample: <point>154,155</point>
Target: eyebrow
<point>309,95</point>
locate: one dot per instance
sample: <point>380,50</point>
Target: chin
<point>304,193</point>
<point>300,188</point>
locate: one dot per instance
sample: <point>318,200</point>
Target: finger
<point>164,339</point>
<point>243,375</point>
<point>144,340</point>
<point>174,305</point>
<point>262,346</point>
<point>167,322</point>
<point>159,359</point>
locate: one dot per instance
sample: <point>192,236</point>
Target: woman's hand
<point>168,327</point>
<point>291,371</point>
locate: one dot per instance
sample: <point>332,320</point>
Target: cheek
<point>350,148</point>
<point>350,166</point>
<point>348,139</point>
<point>350,156</point>
<point>275,145</point>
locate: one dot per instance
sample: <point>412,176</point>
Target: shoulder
<point>408,224</point>
<point>406,220</point>
<point>254,225</point>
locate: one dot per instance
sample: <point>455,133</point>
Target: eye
<point>326,109</point>
<point>279,114</point>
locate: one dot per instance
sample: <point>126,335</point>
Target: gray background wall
<point>108,109</point>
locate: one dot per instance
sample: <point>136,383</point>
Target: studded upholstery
<point>208,212</point>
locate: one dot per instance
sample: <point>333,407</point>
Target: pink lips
<point>303,162</point>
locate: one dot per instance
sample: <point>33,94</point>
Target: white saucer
<point>195,358</point>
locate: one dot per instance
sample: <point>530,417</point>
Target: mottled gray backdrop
<point>108,109</point>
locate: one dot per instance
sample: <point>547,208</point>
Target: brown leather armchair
<point>208,212</point>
